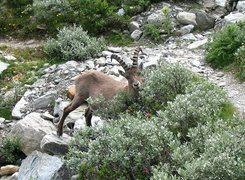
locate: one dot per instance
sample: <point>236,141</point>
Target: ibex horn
<point>136,57</point>
<point>121,62</point>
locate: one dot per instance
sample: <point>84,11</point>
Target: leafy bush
<point>152,31</point>
<point>17,3</point>
<point>202,102</point>
<point>10,152</point>
<point>163,84</point>
<point>240,62</point>
<point>73,43</point>
<point>221,51</point>
<point>126,148</point>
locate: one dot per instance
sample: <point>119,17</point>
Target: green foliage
<point>240,63</point>
<point>202,102</point>
<point>18,3</point>
<point>73,43</point>
<point>167,26</point>
<point>153,31</point>
<point>10,151</point>
<point>221,51</point>
<point>127,149</point>
<point>163,84</point>
<point>193,134</point>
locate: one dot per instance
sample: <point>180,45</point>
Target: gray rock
<point>106,53</point>
<point>209,4</point>
<point>234,17</point>
<point>133,26</point>
<point>155,18</point>
<point>136,35</point>
<point>42,166</point>
<point>241,6</point>
<point>3,66</point>
<point>115,49</point>
<point>10,57</point>
<point>47,116</point>
<point>189,37</point>
<point>197,44</point>
<point>81,123</point>
<point>54,145</point>
<point>186,29</point>
<point>100,61</point>
<point>72,64</point>
<point>220,3</point>
<point>45,101</point>
<point>18,108</point>
<point>186,18</point>
<point>31,130</point>
<point>204,21</point>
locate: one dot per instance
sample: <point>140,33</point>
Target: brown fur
<point>94,84</point>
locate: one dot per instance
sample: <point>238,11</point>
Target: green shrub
<point>17,3</point>
<point>163,84</point>
<point>167,26</point>
<point>73,43</point>
<point>10,151</point>
<point>240,63</point>
<point>126,148</point>
<point>202,102</point>
<point>152,31</point>
<point>221,51</point>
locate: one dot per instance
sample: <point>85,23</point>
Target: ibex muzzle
<point>94,84</point>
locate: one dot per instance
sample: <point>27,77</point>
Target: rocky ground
<point>47,96</point>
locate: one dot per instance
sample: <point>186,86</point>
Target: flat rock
<point>42,166</point>
<point>31,129</point>
<point>3,66</point>
<point>54,145</point>
<point>197,44</point>
<point>115,49</point>
<point>9,57</point>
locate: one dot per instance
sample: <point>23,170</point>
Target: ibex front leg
<point>76,102</point>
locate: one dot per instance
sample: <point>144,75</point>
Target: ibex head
<point>131,71</point>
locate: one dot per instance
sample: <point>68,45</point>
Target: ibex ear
<point>121,73</point>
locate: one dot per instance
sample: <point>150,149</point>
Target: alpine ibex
<point>94,83</point>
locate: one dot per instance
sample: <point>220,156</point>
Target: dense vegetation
<point>227,49</point>
<point>191,132</point>
<point>180,127</point>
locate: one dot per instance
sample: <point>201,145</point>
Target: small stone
<point>197,44</point>
<point>220,74</point>
<point>10,57</point>
<point>47,116</point>
<point>222,84</point>
<point>136,35</point>
<point>115,49</point>
<point>106,53</point>
<point>133,26</point>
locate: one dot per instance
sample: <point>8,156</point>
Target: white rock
<point>234,17</point>
<point>9,57</point>
<point>31,129</point>
<point>189,36</point>
<point>136,35</point>
<point>72,63</point>
<point>55,145</point>
<point>106,53</point>
<point>241,6</point>
<point>16,112</point>
<point>220,3</point>
<point>3,66</point>
<point>186,18</point>
<point>133,26</point>
<point>155,18</point>
<point>81,123</point>
<point>186,29</point>
<point>197,44</point>
<point>115,49</point>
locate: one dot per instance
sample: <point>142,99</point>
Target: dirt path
<point>20,44</point>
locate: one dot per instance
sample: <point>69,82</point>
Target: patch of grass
<point>227,111</point>
<point>24,68</point>
<point>118,39</point>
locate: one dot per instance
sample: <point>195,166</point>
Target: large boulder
<point>234,17</point>
<point>204,21</point>
<point>186,18</point>
<point>42,166</point>
<point>31,131</point>
<point>52,144</point>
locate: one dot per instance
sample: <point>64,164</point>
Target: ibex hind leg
<point>88,116</point>
<point>76,102</point>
